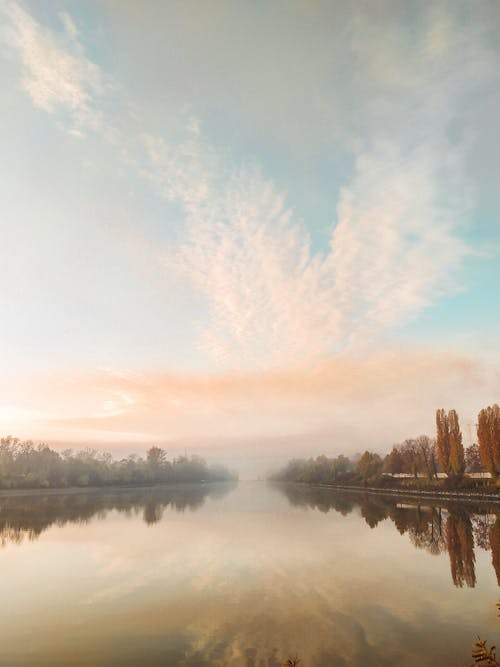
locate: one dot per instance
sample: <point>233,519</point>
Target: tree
<point>394,462</point>
<point>369,466</point>
<point>321,470</point>
<point>488,435</point>
<point>156,458</point>
<point>449,443</point>
<point>24,465</point>
<point>473,458</point>
<point>443,440</point>
<point>411,458</point>
<point>341,465</point>
<point>457,457</point>
<point>426,448</point>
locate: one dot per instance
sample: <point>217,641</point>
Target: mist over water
<point>246,574</point>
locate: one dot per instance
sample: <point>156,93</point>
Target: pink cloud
<point>345,402</point>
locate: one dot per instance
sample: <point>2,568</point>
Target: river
<point>248,574</point>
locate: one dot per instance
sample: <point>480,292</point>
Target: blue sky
<point>198,192</point>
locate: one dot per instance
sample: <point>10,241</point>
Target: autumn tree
<point>369,466</point>
<point>414,456</point>
<point>488,435</point>
<point>457,456</point>
<point>393,462</point>
<point>449,443</point>
<point>443,440</point>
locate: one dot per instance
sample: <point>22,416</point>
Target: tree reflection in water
<point>460,544</point>
<point>436,527</point>
<point>27,516</point>
<point>446,527</point>
<point>494,536</point>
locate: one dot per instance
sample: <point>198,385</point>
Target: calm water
<point>246,575</point>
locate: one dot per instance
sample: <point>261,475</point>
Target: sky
<point>247,230</point>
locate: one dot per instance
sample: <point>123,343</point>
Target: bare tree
<point>426,448</point>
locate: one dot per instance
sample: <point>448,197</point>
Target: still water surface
<point>243,575</point>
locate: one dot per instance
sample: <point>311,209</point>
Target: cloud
<point>55,73</point>
<point>341,405</point>
<point>395,246</point>
<point>394,250</point>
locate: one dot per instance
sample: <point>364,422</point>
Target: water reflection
<point>437,527</point>
<point>127,578</point>
<point>28,516</point>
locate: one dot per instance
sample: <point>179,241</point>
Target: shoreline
<point>411,493</point>
<point>73,490</point>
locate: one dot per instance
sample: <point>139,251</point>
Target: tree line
<point>419,456</point>
<point>26,465</point>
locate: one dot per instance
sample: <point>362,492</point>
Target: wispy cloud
<point>394,250</point>
<point>342,403</point>
<point>270,298</point>
<point>395,245</point>
<point>54,70</point>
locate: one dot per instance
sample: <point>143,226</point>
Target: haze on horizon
<point>244,230</point>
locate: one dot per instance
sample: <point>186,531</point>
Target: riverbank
<point>75,490</point>
<point>431,494</point>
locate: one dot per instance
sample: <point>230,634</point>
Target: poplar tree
<point>443,440</point>
<point>457,455</point>
<point>488,435</point>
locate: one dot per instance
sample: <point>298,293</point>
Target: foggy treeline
<point>26,465</point>
<point>445,528</point>
<point>422,456</point>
